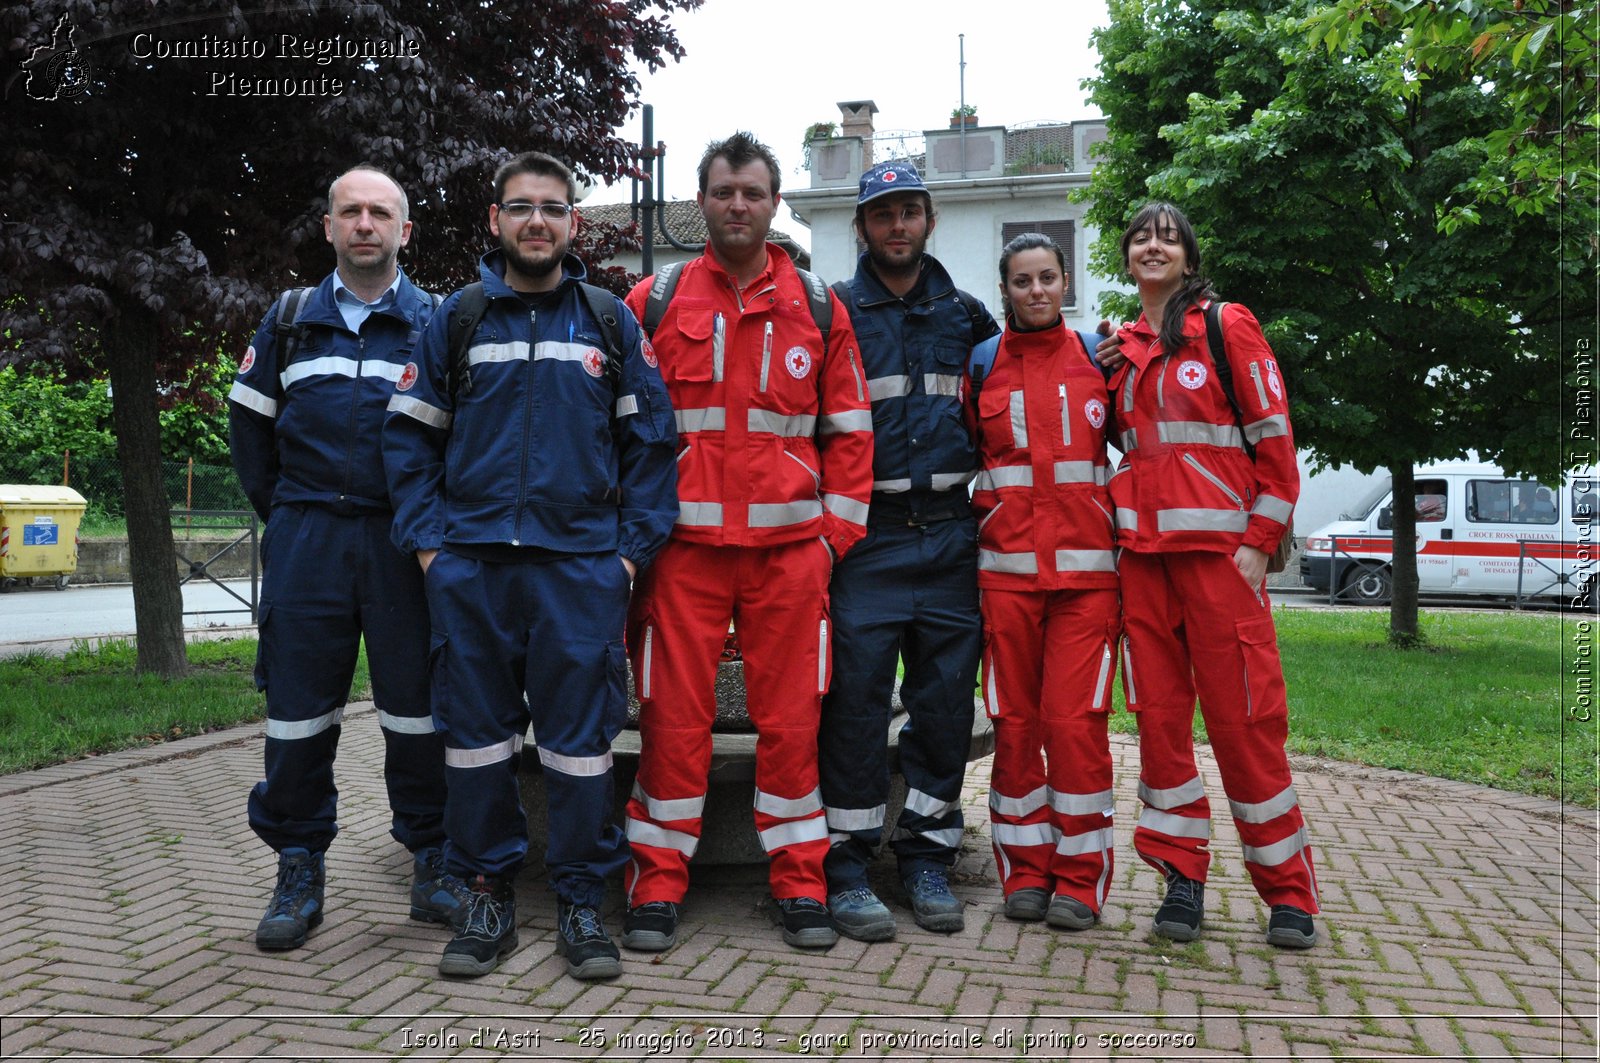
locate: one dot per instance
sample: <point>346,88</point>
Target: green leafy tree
<point>1318,193</point>
<point>151,207</point>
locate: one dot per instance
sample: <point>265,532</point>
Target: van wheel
<point>1367,586</point>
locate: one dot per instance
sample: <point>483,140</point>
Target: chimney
<point>858,123</point>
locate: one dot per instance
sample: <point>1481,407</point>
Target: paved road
<point>32,618</point>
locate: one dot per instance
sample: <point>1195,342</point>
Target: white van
<point>1478,531</point>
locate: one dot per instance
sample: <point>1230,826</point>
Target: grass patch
<point>58,708</point>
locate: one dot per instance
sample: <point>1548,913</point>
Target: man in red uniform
<point>774,474</point>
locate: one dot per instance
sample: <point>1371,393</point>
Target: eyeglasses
<point>521,210</point>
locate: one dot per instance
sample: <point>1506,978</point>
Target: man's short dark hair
<point>738,151</point>
<point>538,163</point>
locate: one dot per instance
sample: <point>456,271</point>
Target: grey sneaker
<point>296,906</point>
<point>858,914</point>
<point>932,903</point>
<point>1027,905</point>
<point>437,896</point>
<point>489,932</point>
<point>1069,913</point>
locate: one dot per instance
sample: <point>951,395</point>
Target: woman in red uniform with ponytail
<point>1204,493</point>
<point>1049,596</point>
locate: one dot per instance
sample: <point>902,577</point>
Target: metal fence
<point>189,486</point>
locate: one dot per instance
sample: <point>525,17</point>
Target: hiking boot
<point>651,927</point>
<point>1069,913</point>
<point>296,906</point>
<point>1291,928</point>
<point>488,933</point>
<point>932,903</point>
<point>1180,913</point>
<point>437,896</point>
<point>581,937</point>
<point>857,913</point>
<point>806,923</point>
<point>1027,905</point>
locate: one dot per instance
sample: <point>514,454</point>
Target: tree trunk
<point>1403,630</point>
<point>152,558</point>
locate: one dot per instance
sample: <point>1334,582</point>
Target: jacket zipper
<point>861,382</point>
<point>1066,422</point>
<point>1100,683</point>
<point>649,649</point>
<point>822,657</point>
<point>1127,389</point>
<point>1161,380</point>
<point>990,517</point>
<point>719,334</point>
<point>1209,475</point>
<point>766,355</point>
<point>1261,389</point>
<point>817,480</point>
<point>355,397</point>
<point>1127,672</point>
<point>527,428</point>
<point>1104,514</point>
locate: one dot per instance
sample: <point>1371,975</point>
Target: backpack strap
<point>1091,340</point>
<point>288,329</point>
<point>1224,369</point>
<point>603,306</point>
<point>661,289</point>
<point>469,311</point>
<point>981,361</point>
<point>821,305</point>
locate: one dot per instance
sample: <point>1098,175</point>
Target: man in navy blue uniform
<point>909,589</point>
<point>305,416</point>
<point>533,469</point>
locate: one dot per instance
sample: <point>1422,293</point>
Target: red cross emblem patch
<point>594,363</point>
<point>1095,410</point>
<point>408,377</point>
<point>798,362</point>
<point>649,353</point>
<point>1192,374</point>
<point>249,360</point>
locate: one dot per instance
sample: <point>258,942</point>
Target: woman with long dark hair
<point>1206,490</point>
<point>1048,589</point>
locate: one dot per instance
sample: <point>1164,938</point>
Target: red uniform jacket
<point>1040,496</point>
<point>1186,482</point>
<point>774,434</point>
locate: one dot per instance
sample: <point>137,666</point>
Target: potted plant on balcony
<point>815,131</point>
<point>965,115</point>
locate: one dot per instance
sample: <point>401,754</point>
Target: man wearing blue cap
<point>909,590</point>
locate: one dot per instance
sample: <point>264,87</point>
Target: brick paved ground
<point>1460,924</point>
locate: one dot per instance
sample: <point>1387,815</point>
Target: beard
<point>898,263</point>
<point>529,264</point>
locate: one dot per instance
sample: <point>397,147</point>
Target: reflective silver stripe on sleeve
<point>1130,441</point>
<point>1020,564</point>
<point>700,514</point>
<point>668,811</point>
<point>1174,826</point>
<point>514,351</point>
<point>290,730</point>
<point>483,756</point>
<point>838,424</point>
<point>802,424</point>
<point>783,514</point>
<point>1004,476</point>
<point>709,419</point>
<point>1098,840</point>
<point>1081,804</point>
<point>945,384</point>
<point>642,833</point>
<point>944,481</point>
<point>1128,518</point>
<point>562,351</point>
<point>892,487</point>
<point>627,405</point>
<point>327,366</point>
<point>846,508</point>
<point>1019,420</point>
<point>795,832</point>
<point>1200,432</point>
<point>421,411</point>
<point>1278,852</point>
<point>889,387</point>
<point>251,399</point>
<point>1018,806</point>
<point>1175,797</point>
<point>581,766</point>
<point>1217,520</point>
<point>1273,507</point>
<point>405,725</point>
<point>788,807</point>
<point>1079,472</point>
<point>1084,561</point>
<point>853,819</point>
<point>1263,811</point>
<point>1022,833</point>
<point>1267,428</point>
<point>925,804</point>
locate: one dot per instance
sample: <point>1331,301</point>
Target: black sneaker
<point>1069,913</point>
<point>651,927</point>
<point>806,923</point>
<point>487,935</point>
<point>296,906</point>
<point>1028,905</point>
<point>581,937</point>
<point>1180,913</point>
<point>437,896</point>
<point>1291,928</point>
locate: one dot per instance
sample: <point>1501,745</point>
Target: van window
<point>1510,502</point>
<point>1583,501</point>
<point>1431,502</point>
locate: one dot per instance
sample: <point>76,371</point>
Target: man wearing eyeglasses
<point>305,416</point>
<point>531,463</point>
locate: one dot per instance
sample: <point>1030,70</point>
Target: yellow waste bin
<point>38,533</point>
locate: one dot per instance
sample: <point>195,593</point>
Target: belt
<point>898,510</point>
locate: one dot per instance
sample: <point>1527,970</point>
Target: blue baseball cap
<point>887,177</point>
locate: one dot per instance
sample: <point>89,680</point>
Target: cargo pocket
<point>1129,689</point>
<point>1106,672</point>
<point>438,688</point>
<point>1265,695</point>
<point>824,657</point>
<point>261,647</point>
<point>991,696</point>
<point>616,690</point>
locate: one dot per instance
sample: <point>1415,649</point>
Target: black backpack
<point>666,282</point>
<point>291,331</point>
